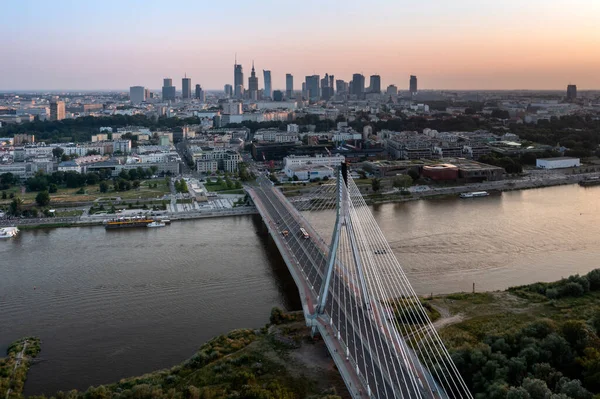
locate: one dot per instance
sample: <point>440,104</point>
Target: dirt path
<point>446,318</point>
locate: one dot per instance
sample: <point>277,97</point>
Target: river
<point>111,304</point>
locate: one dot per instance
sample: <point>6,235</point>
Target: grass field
<point>92,193</point>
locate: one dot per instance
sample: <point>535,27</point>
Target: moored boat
<point>156,224</point>
<point>8,232</point>
<point>121,223</point>
<point>590,181</point>
<point>474,194</point>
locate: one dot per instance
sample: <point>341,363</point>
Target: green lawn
<point>93,192</point>
<point>219,187</point>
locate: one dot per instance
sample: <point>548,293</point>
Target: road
<point>369,348</point>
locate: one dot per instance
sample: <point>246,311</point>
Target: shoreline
<point>370,199</point>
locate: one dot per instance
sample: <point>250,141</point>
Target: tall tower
<point>312,87</point>
<point>137,94</point>
<point>413,85</point>
<point>238,80</point>
<point>168,90</point>
<point>358,85</point>
<point>253,84</point>
<point>289,85</point>
<point>268,89</point>
<point>375,84</point>
<point>186,87</point>
<point>571,92</point>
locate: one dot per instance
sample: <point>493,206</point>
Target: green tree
<point>402,181</point>
<point>103,187</point>
<point>238,184</point>
<point>16,206</point>
<point>43,198</point>
<point>136,184</point>
<point>52,188</point>
<point>4,195</point>
<point>413,174</point>
<point>376,184</point>
<point>57,152</point>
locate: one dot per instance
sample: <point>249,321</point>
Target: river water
<point>111,304</point>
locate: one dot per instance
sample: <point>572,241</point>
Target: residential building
<point>123,146</point>
<point>186,88</point>
<point>232,108</point>
<point>137,94</point>
<point>168,90</point>
<point>19,139</point>
<point>57,110</point>
<point>289,85</point>
<point>391,90</point>
<point>268,92</point>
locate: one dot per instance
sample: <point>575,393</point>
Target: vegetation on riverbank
<point>14,367</point>
<point>539,341</point>
<point>535,341</point>
<point>277,361</point>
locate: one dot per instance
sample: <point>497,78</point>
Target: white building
<point>293,128</point>
<point>299,165</point>
<point>557,163</point>
<point>309,172</point>
<point>122,145</point>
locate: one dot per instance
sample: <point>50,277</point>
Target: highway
<point>378,361</point>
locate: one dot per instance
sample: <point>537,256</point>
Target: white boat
<point>156,224</point>
<point>8,232</point>
<point>165,221</point>
<point>474,194</point>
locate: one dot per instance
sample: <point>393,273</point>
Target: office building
<point>326,88</point>
<point>341,87</point>
<point>312,88</point>
<point>268,92</point>
<point>137,94</point>
<point>228,91</point>
<point>168,90</point>
<point>289,85</point>
<point>57,110</point>
<point>358,85</point>
<point>413,85</point>
<point>238,80</point>
<point>571,92</point>
<point>186,87</point>
<point>200,94</point>
<point>375,84</point>
<point>253,84</point>
<point>392,90</point>
<point>277,95</point>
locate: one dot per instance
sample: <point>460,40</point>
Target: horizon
<point>538,45</point>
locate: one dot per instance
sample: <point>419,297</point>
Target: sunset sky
<point>461,44</point>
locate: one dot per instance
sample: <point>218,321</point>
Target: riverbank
<point>16,364</point>
<point>541,337</point>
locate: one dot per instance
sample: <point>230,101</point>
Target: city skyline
<point>470,46</point>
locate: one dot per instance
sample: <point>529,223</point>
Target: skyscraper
<point>268,90</point>
<point>253,84</point>
<point>326,89</point>
<point>57,110</point>
<point>238,80</point>
<point>392,90</point>
<point>358,85</point>
<point>186,87</point>
<point>375,84</point>
<point>289,85</point>
<point>312,87</point>
<point>228,90</point>
<point>341,87</point>
<point>277,95</point>
<point>571,92</point>
<point>413,85</point>
<point>199,94</point>
<point>137,94</point>
<point>168,90</point>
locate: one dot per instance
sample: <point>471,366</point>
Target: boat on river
<point>127,222</point>
<point>590,181</point>
<point>8,232</point>
<point>475,194</point>
<point>156,224</point>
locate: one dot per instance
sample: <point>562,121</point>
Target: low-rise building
<point>557,163</point>
<point>309,172</point>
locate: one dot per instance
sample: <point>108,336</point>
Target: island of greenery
<point>539,341</point>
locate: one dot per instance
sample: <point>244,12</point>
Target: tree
<point>238,184</point>
<point>16,206</point>
<point>376,184</point>
<point>52,188</point>
<point>413,174</point>
<point>92,178</point>
<point>402,181</point>
<point>4,195</point>
<point>136,184</point>
<point>103,187</point>
<point>57,152</point>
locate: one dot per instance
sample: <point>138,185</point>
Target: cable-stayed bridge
<point>356,296</point>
